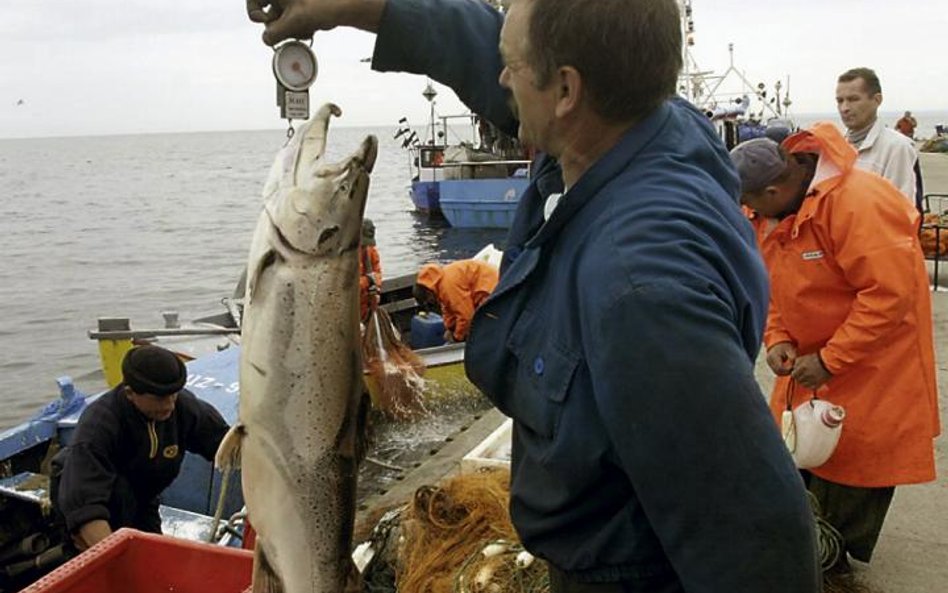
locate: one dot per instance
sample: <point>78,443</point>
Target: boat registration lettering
<point>204,382</point>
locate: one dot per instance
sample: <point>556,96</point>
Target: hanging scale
<point>295,68</point>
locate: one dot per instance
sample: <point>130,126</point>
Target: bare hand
<point>780,358</point>
<point>258,13</point>
<point>809,371</point>
<point>91,533</point>
<point>300,19</point>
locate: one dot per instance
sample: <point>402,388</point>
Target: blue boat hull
<point>425,196</point>
<point>481,203</point>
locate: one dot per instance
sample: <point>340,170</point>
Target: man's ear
<point>569,90</point>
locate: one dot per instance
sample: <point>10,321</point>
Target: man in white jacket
<point>881,150</point>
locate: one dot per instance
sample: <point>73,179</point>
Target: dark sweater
<point>114,439</point>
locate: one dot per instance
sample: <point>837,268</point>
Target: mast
<point>705,89</point>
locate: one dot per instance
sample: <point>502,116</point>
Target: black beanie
<point>150,369</point>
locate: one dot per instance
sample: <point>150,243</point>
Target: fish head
<point>317,206</point>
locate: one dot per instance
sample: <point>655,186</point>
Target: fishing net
<point>444,532</point>
<point>457,537</point>
<point>499,567</point>
<point>934,241</point>
<point>395,369</point>
<point>934,145</point>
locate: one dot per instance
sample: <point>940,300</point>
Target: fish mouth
<point>368,152</point>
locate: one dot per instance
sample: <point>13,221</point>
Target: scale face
<point>295,68</point>
<point>294,65</point>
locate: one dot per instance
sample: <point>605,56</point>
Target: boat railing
<point>447,164</point>
<point>142,334</point>
<point>116,337</point>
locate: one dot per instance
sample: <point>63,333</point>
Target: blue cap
<point>759,162</point>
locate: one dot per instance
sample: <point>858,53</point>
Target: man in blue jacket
<point>622,335</point>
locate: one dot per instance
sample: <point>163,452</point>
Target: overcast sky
<point>83,67</point>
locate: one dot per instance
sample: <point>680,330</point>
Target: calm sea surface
<point>130,226</point>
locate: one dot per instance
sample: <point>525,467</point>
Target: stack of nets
<point>446,530</point>
<point>934,241</point>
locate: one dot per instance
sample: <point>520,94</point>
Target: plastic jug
<point>812,432</point>
<point>427,330</point>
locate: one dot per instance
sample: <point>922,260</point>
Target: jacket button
<point>538,365</point>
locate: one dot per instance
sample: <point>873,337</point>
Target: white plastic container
<point>812,432</point>
<point>494,451</point>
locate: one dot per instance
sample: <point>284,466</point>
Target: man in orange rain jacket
<point>370,268</point>
<point>850,316</point>
<point>459,288</point>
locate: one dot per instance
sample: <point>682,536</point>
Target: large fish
<point>299,434</point>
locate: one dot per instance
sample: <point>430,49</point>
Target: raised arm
<point>455,42</point>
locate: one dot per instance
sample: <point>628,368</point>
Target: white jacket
<point>888,153</point>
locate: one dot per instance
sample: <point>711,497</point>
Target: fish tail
<point>265,579</point>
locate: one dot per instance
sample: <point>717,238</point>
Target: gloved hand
<point>374,289</point>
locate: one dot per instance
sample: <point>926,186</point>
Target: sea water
<point>130,226</point>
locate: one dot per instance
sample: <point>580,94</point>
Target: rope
<point>830,541</point>
<point>219,511</point>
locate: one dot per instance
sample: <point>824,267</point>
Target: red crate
<point>132,561</point>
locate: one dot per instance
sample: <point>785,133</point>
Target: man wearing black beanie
<point>128,447</point>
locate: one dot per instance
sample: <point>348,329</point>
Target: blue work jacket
<point>621,339</point>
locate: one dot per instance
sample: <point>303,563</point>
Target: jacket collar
<point>874,132</point>
<point>635,140</point>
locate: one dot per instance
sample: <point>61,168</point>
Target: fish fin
<point>265,579</point>
<point>262,263</point>
<point>228,452</point>
<point>354,436</point>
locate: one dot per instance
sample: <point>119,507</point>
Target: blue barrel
<point>427,330</point>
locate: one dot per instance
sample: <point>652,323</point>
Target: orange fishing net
<point>447,527</point>
<point>934,243</point>
<point>394,367</point>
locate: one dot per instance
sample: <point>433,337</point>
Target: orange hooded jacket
<point>461,287</point>
<point>848,281</point>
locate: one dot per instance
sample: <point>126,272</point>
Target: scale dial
<point>294,65</point>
